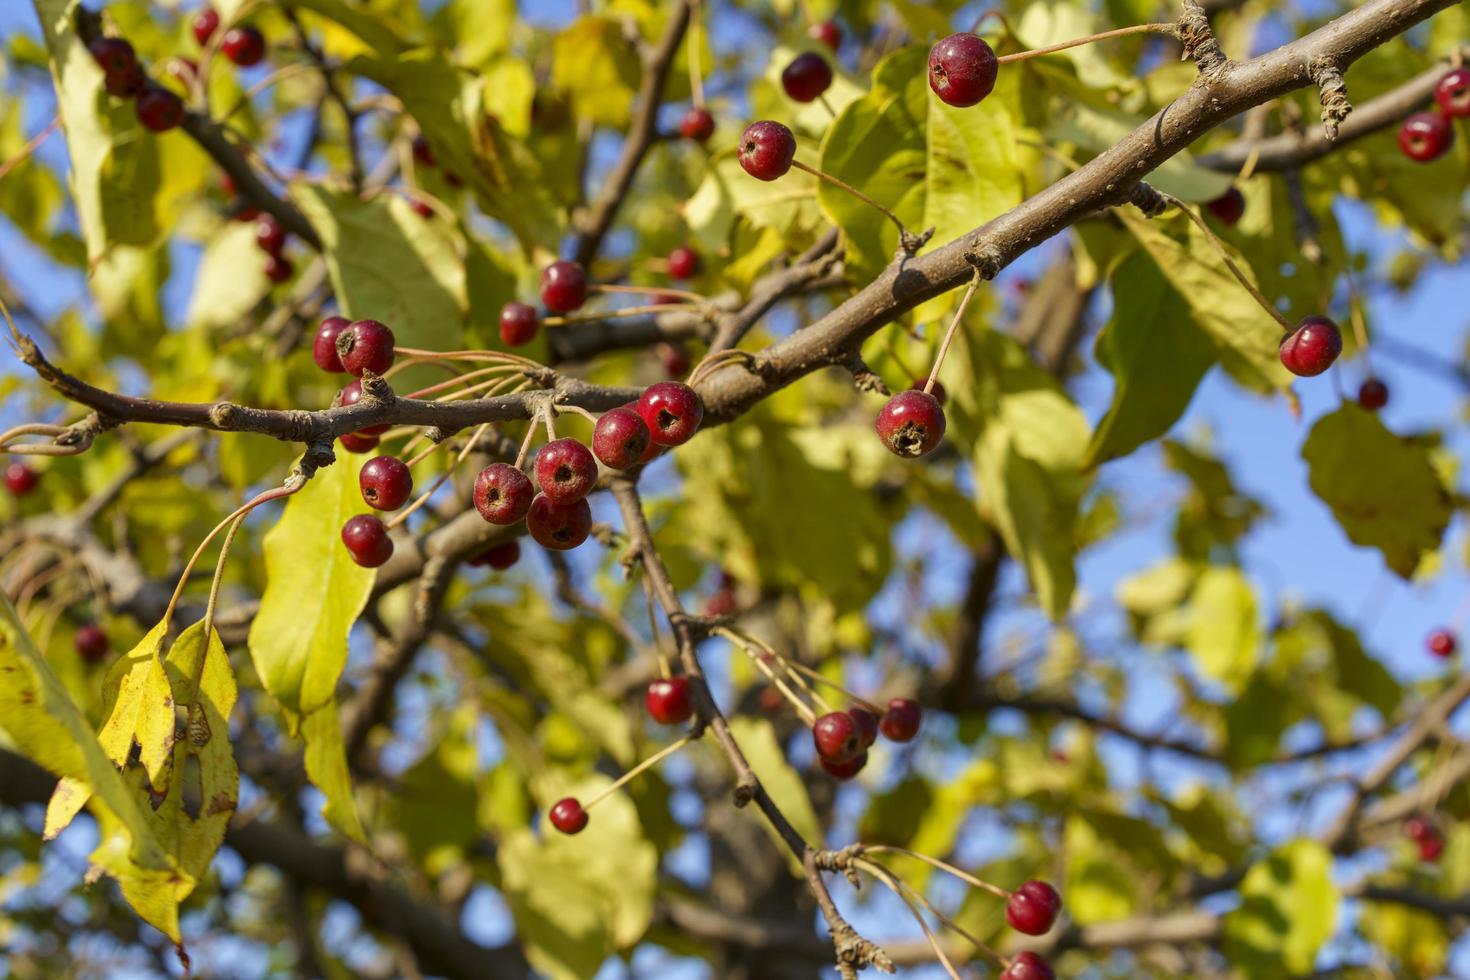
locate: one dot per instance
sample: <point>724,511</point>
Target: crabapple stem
<point>1079,41</point>
<point>903,232</point>
<point>827,105</point>
<point>647,763</point>
<point>567,321</point>
<point>577,409</point>
<point>820,678</point>
<point>469,446</point>
<point>457,380</point>
<point>744,643</point>
<point>1240,277</point>
<point>954,324</point>
<point>966,877</point>
<point>526,442</point>
<point>664,669</point>
<point>894,885</point>
<point>713,361</point>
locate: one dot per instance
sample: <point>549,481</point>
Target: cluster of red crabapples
<point>1427,136</point>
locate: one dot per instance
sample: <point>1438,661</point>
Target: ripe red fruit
<point>270,235</point>
<point>684,263</point>
<point>499,557</point>
<point>245,46</point>
<point>672,411</point>
<point>1373,394</point>
<point>807,77</point>
<point>722,603</point>
<point>565,471</point>
<point>385,482</point>
<point>421,208</point>
<point>940,395</point>
<point>1228,207</point>
<point>502,494</point>
<point>367,540</point>
<point>158,109</point>
<point>91,643</point>
<point>365,346</point>
<point>568,816</point>
<point>901,720</point>
<point>1453,93</point>
<point>127,83</point>
<point>844,770</point>
<point>563,286</point>
<point>422,152</point>
<point>698,124</point>
<point>675,359</point>
<point>1431,847</point>
<point>767,149</point>
<point>518,323</point>
<point>1417,828</point>
<point>556,526</point>
<point>1311,348</point>
<point>866,722</point>
<point>911,424</point>
<point>670,700</point>
<point>20,479</point>
<point>1033,908</point>
<point>113,55</point>
<point>324,346</point>
<point>358,442</point>
<point>1441,643</point>
<point>206,22</point>
<point>351,395</point>
<point>827,32</point>
<point>962,69</point>
<point>836,737</point>
<point>620,437</point>
<point>1027,965</point>
<point>1425,136</point>
<point>278,268</point>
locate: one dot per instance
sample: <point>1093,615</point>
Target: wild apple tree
<point>485,488</point>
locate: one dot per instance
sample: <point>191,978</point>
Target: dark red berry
<point>675,359</point>
<point>1416,828</point>
<point>619,438</point>
<point>672,411</point>
<point>684,263</point>
<point>158,109</point>
<point>563,286</point>
<point>20,479</point>
<point>242,212</point>
<point>92,643</point>
<point>518,323</point>
<point>385,482</point>
<point>866,722</point>
<point>351,395</point>
<point>1425,136</point>
<point>1033,908</point>
<point>365,346</point>
<point>911,424</point>
<point>113,55</point>
<point>844,770</point>
<point>324,346</point>
<point>1430,848</point>
<point>1311,348</point>
<point>206,22</point>
<point>278,268</point>
<point>499,557</point>
<point>270,234</point>
<point>502,494</point>
<point>1026,965</point>
<point>358,442</point>
<point>367,540</point>
<point>962,69</point>
<point>1228,207</point>
<point>127,83</point>
<point>807,77</point>
<point>827,32</point>
<point>836,737</point>
<point>556,526</point>
<point>722,603</point>
<point>1453,93</point>
<point>245,46</point>
<point>421,208</point>
<point>565,471</point>
<point>901,720</point>
<point>670,700</point>
<point>422,152</point>
<point>568,816</point>
<point>1441,643</point>
<point>184,69</point>
<point>698,124</point>
<point>940,395</point>
<point>1373,394</point>
<point>767,149</point>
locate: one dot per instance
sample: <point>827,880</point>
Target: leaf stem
<point>647,763</point>
<point>1240,276</point>
<point>954,324</point>
<point>1079,41</point>
<point>905,236</point>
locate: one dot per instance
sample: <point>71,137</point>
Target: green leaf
<point>1416,939</point>
<point>1098,887</point>
<point>1288,911</point>
<point>298,641</point>
<point>787,206</point>
<point>1224,634</point>
<point>1095,129</point>
<point>1382,488</point>
<point>1156,355</point>
<point>757,739</point>
<point>597,70</point>
<point>230,279</point>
